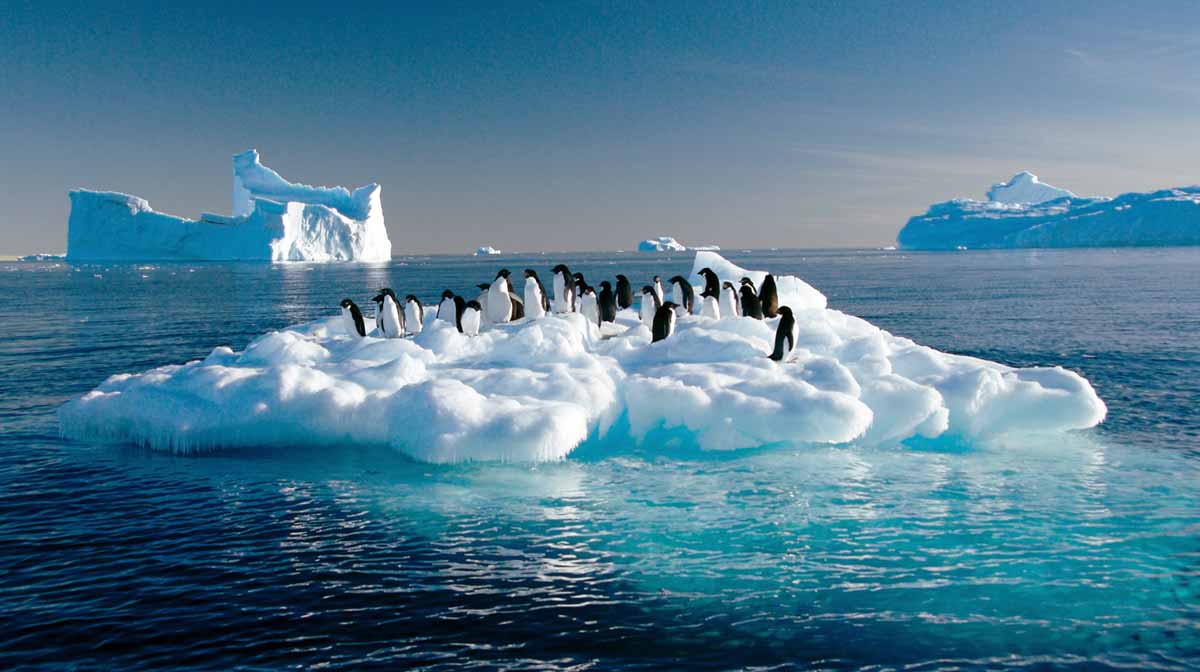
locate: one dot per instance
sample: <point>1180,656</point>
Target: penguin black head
<point>412,298</point>
<point>346,303</point>
<point>622,278</point>
<point>561,268</point>
<point>604,284</point>
<point>747,281</point>
<point>709,293</point>
<point>503,273</point>
<point>484,286</point>
<point>670,304</point>
<point>679,279</point>
<point>647,289</point>
<point>786,312</point>
<point>447,294</point>
<point>378,298</point>
<point>473,304</point>
<point>727,285</point>
<point>748,290</point>
<point>530,273</point>
<point>657,279</point>
<point>585,288</point>
<point>578,277</point>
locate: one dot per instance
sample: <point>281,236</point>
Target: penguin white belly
<point>709,307</point>
<point>729,304</point>
<point>499,306</point>
<point>658,291</point>
<point>446,310</point>
<point>470,322</point>
<point>533,300</point>
<point>589,308</point>
<point>646,310</point>
<point>390,323</point>
<point>348,322</point>
<point>412,318</point>
<point>561,302</point>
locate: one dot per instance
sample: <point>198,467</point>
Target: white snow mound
<point>534,390</point>
<point>1024,187</point>
<point>273,220</point>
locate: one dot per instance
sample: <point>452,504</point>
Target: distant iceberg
<point>536,389</point>
<point>1025,212</point>
<point>486,250</point>
<point>273,220</point>
<point>669,244</point>
<point>43,256</point>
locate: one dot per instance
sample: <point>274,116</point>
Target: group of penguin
<point>498,303</point>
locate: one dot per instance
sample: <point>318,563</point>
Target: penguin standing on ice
<point>352,319</point>
<point>650,305</point>
<point>588,306</point>
<point>470,314</point>
<point>683,294</point>
<point>624,292</point>
<point>536,302</point>
<point>460,304</point>
<point>518,305</point>
<point>712,284</point>
<point>499,302</point>
<point>607,302</point>
<point>710,305</point>
<point>664,322</point>
<point>769,296</point>
<point>446,310</point>
<point>414,314</point>
<point>785,334</point>
<point>730,306</point>
<point>389,318</point>
<point>751,306</point>
<point>658,290</point>
<point>564,290</point>
<point>483,298</point>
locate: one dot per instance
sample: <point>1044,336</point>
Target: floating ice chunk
<point>669,244</point>
<point>1024,187</point>
<point>534,390</point>
<point>485,250</point>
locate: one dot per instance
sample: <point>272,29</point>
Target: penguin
<point>414,314</point>
<point>483,298</point>
<point>650,305</point>
<point>664,322</point>
<point>683,294</point>
<point>730,306</point>
<point>785,334</point>
<point>445,309</point>
<point>518,304</point>
<point>608,302</point>
<point>564,290</point>
<point>712,284</point>
<point>624,292</point>
<point>748,281</point>
<point>499,301</point>
<point>751,307</point>
<point>769,296</point>
<point>352,319</point>
<point>580,283</point>
<point>389,317</point>
<point>658,290</point>
<point>588,306</point>
<point>536,303</point>
<point>460,305</point>
<point>469,318</point>
<point>710,305</point>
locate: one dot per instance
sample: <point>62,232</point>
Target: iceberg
<point>1024,212</point>
<point>537,389</point>
<point>43,256</point>
<point>486,250</point>
<point>273,220</point>
<point>669,244</point>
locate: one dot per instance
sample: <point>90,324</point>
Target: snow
<point>1164,217</point>
<point>486,249</point>
<point>669,244</point>
<point>535,390</point>
<point>1024,187</point>
<point>273,220</point>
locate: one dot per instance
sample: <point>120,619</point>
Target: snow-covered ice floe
<point>535,390</point>
<point>1025,212</point>
<point>669,244</point>
<point>273,220</point>
<point>486,250</point>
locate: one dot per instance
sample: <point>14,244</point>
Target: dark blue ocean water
<point>1079,553</point>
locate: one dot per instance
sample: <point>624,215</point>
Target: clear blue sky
<point>590,125</point>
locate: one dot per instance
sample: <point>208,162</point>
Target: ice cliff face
<point>1026,213</point>
<point>273,220</point>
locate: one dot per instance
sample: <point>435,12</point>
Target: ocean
<point>1078,552</point>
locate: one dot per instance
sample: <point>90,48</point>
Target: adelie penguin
<point>751,307</point>
<point>564,289</point>
<point>730,305</point>
<point>536,302</point>
<point>446,310</point>
<point>483,298</point>
<point>588,306</point>
<point>785,334</point>
<point>389,318</point>
<point>607,302</point>
<point>710,305</point>
<point>470,314</point>
<point>499,301</point>
<point>352,319</point>
<point>658,290</point>
<point>683,294</point>
<point>769,296</point>
<point>664,322</point>
<point>414,314</point>
<point>712,284</point>
<point>650,305</point>
<point>624,292</point>
<point>580,283</point>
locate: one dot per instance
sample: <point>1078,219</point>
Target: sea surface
<point>1080,552</point>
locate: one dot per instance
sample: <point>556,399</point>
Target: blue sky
<point>590,125</point>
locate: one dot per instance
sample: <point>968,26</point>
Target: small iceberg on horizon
<point>669,244</point>
<point>485,250</point>
<point>536,390</point>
